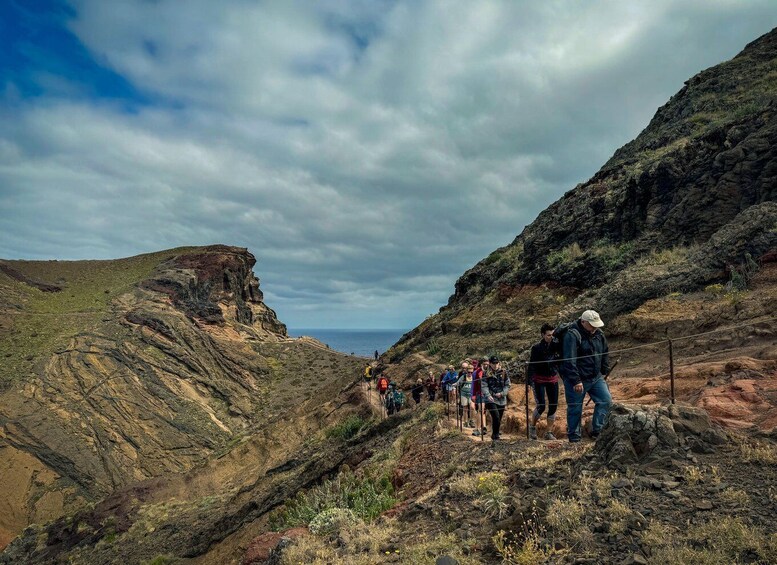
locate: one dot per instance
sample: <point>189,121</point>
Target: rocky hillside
<point>153,410</point>
<point>114,372</point>
<point>689,203</point>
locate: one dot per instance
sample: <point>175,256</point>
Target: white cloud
<point>366,152</point>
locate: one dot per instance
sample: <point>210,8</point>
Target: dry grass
<point>735,496</point>
<point>366,544</point>
<point>758,452</point>
<point>489,490</point>
<point>567,519</point>
<point>722,540</point>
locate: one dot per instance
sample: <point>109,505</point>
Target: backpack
<point>382,384</point>
<point>394,401</point>
<point>562,329</point>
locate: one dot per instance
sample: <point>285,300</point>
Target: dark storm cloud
<point>367,152</point>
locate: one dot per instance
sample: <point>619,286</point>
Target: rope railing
<point>672,397</point>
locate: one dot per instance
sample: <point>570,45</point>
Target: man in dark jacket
<point>585,362</point>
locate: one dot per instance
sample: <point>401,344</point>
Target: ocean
<point>358,342</point>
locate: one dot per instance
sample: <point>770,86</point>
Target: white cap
<point>593,318</point>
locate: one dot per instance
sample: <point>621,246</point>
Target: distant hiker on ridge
<point>542,373</point>
<point>376,355</point>
<point>585,362</point>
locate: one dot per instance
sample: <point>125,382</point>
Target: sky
<point>367,152</point>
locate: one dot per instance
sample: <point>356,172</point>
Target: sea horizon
<point>356,341</point>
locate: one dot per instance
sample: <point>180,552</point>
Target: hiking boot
<point>549,435</point>
<point>470,423</point>
<point>532,432</point>
<point>476,433</point>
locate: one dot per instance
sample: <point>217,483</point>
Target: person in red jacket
<point>382,386</point>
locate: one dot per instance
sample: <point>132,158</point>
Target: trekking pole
<point>527,404</point>
<point>458,407</point>
<point>482,417</point>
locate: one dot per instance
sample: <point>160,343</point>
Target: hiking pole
<point>605,379</point>
<point>447,403</point>
<point>458,409</point>
<point>526,398</point>
<point>482,417</point>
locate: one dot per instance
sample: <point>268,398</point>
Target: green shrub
<point>366,497</point>
<point>565,256</point>
<point>714,288</point>
<point>348,428</point>
<point>612,255</point>
<point>332,520</point>
<point>433,347</point>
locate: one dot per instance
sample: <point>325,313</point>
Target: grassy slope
<point>37,323</point>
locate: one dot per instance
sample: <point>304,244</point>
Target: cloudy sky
<point>367,152</point>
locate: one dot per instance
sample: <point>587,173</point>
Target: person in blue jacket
<point>585,362</point>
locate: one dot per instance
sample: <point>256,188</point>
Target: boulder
<point>649,435</point>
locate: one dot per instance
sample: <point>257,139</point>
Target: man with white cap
<point>585,363</point>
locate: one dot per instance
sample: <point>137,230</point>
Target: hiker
<point>494,388</point>
<point>382,386</point>
<point>431,386</point>
<point>477,379</point>
<point>376,355</point>
<point>446,382</point>
<point>464,387</point>
<point>585,362</point>
<point>542,373</point>
<point>417,390</point>
<point>394,399</point>
<point>368,375</point>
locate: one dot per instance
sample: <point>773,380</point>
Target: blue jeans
<point>599,393</point>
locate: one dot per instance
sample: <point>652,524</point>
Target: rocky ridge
<point>689,203</point>
<point>162,375</point>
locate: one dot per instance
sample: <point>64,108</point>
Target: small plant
<point>716,288</point>
<point>758,452</point>
<point>433,347</point>
<point>565,516</point>
<point>693,475</point>
<point>346,429</point>
<point>331,521</point>
<point>735,496</point>
<point>565,256</point>
<point>367,497</point>
<point>161,560</point>
<point>520,552</point>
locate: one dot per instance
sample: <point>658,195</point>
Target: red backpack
<point>382,384</point>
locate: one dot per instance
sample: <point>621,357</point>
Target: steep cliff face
<point>707,155</point>
<point>135,369</point>
<point>698,185</point>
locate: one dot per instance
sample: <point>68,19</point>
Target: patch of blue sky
<point>41,57</point>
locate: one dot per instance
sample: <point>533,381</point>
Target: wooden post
<point>671,371</point>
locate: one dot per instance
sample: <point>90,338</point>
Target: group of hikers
<point>575,353</point>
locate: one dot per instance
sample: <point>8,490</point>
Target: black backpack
<point>562,329</point>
